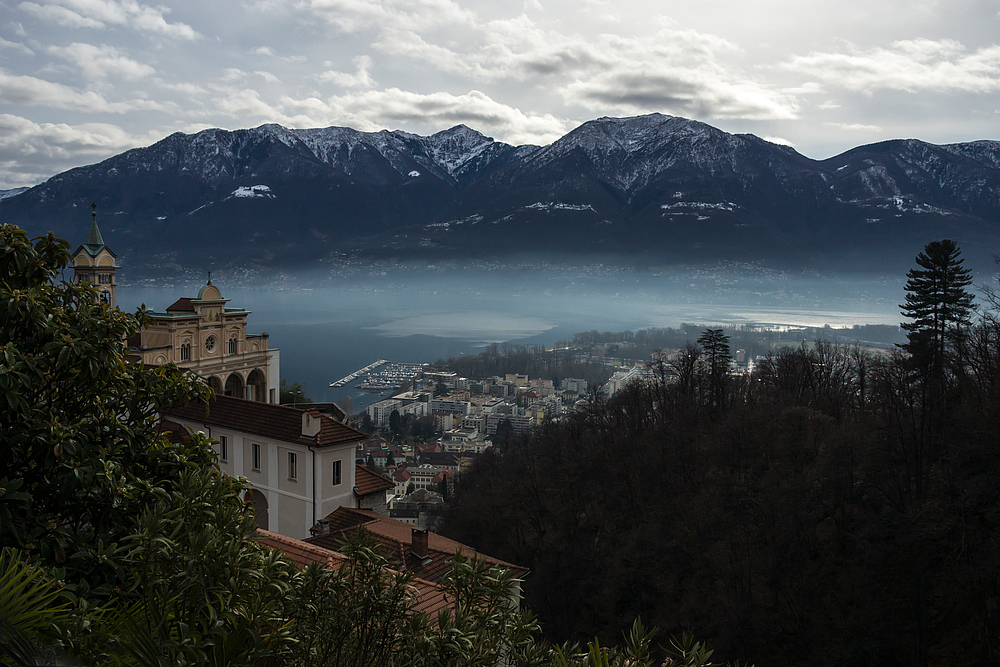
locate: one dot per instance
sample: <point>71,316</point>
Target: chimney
<point>310,424</point>
<point>418,542</point>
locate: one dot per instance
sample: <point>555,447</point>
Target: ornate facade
<point>202,335</point>
<point>199,334</point>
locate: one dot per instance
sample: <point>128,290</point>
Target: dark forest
<point>835,506</point>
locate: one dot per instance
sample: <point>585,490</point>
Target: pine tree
<point>938,306</point>
<point>715,349</point>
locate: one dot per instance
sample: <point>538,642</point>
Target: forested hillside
<point>834,507</point>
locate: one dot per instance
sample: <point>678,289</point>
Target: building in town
<point>202,334</point>
<point>299,463</point>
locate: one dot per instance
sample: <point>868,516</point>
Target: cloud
<point>104,13</point>
<point>378,109</point>
<point>17,46</point>
<point>908,65</point>
<point>99,62</point>
<point>360,79</point>
<point>32,91</point>
<point>856,127</point>
<point>267,76</point>
<point>31,152</point>
<point>690,93</point>
<point>356,15</point>
<point>670,69</point>
<point>392,108</point>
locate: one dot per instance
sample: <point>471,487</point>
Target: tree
<point>938,305</point>
<point>395,422</point>
<point>78,429</point>
<point>290,394</point>
<point>148,537</point>
<point>715,348</point>
<point>440,389</point>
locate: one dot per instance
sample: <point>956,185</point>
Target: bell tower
<point>94,262</point>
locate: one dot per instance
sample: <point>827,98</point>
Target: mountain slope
<point>656,187</point>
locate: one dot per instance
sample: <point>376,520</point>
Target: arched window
<point>232,345</point>
<point>185,351</point>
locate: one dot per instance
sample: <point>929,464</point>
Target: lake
<point>327,328</point>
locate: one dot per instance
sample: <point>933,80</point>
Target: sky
<point>82,80</point>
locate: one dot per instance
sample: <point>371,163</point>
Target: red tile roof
<point>275,421</point>
<point>443,475</point>
<point>367,481</point>
<point>395,538</point>
<point>430,597</point>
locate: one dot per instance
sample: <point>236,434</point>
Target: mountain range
<point>650,189</point>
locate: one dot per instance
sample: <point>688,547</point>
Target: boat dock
<point>356,374</point>
<point>391,377</point>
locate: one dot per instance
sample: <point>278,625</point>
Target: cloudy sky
<point>81,80</point>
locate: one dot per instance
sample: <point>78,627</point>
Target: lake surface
<point>329,328</point>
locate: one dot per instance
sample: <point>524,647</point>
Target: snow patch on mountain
<point>4,194</point>
<point>721,206</point>
<point>559,206</point>
<point>253,192</point>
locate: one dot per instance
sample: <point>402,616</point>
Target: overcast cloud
<point>81,80</point>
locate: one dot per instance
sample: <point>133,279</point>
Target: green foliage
<point>289,394</point>
<point>937,303</point>
<point>395,422</point>
<point>352,615</point>
<point>207,593</point>
<point>806,521</point>
<point>156,548</point>
<point>32,604</point>
<point>78,444</point>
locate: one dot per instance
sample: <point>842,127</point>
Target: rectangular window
<point>336,473</point>
<point>255,448</point>
<point>223,448</point>
<point>293,472</point>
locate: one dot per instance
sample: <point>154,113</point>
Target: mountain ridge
<point>659,187</point>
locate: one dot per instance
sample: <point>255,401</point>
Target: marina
<point>391,377</point>
<point>356,374</point>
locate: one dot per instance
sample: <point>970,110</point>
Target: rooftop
<point>275,421</point>
<point>367,481</point>
<point>396,539</point>
<point>430,597</point>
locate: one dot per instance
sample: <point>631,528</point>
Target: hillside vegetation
<point>833,507</point>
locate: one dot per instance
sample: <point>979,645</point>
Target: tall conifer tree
<point>937,304</point>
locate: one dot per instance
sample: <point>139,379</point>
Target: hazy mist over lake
<point>329,326</point>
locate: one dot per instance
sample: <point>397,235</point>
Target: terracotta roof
<point>367,481</point>
<point>275,421</point>
<point>401,475</point>
<point>431,597</point>
<point>444,474</point>
<point>438,458</point>
<point>182,305</point>
<point>395,538</point>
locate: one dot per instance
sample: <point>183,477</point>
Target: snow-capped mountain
<point>660,186</point>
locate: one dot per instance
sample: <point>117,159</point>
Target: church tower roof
<point>95,242</point>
